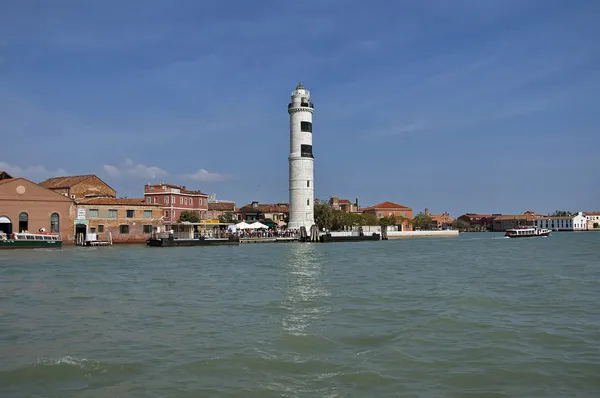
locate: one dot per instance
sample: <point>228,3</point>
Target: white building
<point>562,223</point>
<point>301,160</point>
<point>593,219</point>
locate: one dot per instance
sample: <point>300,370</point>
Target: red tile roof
<point>116,201</point>
<point>344,202</point>
<point>221,206</point>
<point>387,206</point>
<point>591,213</point>
<point>266,208</point>
<point>64,182</point>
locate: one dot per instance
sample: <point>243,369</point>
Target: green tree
<point>323,215</point>
<point>563,213</point>
<point>422,221</point>
<point>387,221</point>
<point>369,219</point>
<point>461,225</point>
<point>227,217</point>
<point>189,216</point>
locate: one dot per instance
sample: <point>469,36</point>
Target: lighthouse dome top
<point>301,90</point>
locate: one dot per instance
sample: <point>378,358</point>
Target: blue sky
<point>459,106</point>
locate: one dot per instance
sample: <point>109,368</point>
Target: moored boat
<point>526,232</point>
<point>199,241</point>
<point>27,240</point>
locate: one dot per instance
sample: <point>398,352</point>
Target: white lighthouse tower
<point>302,190</point>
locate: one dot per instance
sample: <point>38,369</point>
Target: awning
<point>4,220</point>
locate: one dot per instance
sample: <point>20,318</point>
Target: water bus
<point>526,232</point>
<point>29,240</point>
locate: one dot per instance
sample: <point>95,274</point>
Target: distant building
<point>278,213</point>
<point>593,220</point>
<point>127,220</point>
<point>577,222</point>
<point>386,209</point>
<point>343,204</point>
<point>79,187</point>
<point>218,209</point>
<point>478,222</point>
<point>507,221</point>
<point>175,200</point>
<point>4,175</point>
<point>439,221</point>
<point>26,206</point>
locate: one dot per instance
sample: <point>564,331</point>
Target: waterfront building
<point>175,200</point>
<point>78,187</point>
<point>478,222</point>
<point>593,220</point>
<point>124,220</point>
<point>402,213</point>
<point>343,204</point>
<point>440,221</point>
<point>503,222</point>
<point>219,208</point>
<point>273,215</point>
<point>576,222</point>
<point>301,160</point>
<point>26,206</point>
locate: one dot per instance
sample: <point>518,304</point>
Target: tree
<point>227,217</point>
<point>422,221</point>
<point>189,216</point>
<point>387,221</point>
<point>563,213</point>
<point>460,225</point>
<point>323,215</point>
<point>369,219</point>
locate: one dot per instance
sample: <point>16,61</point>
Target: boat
<point>527,232</point>
<point>328,237</point>
<point>170,241</point>
<point>28,240</point>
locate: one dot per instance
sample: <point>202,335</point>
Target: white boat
<point>526,232</point>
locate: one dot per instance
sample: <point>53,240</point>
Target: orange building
<point>402,213</point>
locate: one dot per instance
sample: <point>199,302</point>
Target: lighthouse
<point>301,160</point>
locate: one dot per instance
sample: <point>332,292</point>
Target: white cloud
<point>36,173</point>
<point>130,169</point>
<point>206,176</point>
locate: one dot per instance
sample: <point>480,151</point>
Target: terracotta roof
<point>222,206</point>
<point>387,205</point>
<point>473,215</point>
<point>64,182</point>
<point>182,189</point>
<point>9,180</point>
<point>25,179</point>
<point>344,202</point>
<point>266,208</point>
<point>116,201</point>
<point>591,213</point>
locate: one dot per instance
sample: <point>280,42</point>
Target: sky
<point>458,106</point>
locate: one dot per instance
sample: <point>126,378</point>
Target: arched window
<point>54,222</point>
<point>23,222</point>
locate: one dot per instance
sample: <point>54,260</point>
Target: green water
<point>473,316</point>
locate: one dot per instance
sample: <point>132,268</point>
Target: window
<point>54,222</point>
<point>166,214</point>
<point>147,213</point>
<point>185,201</point>
<point>307,183</point>
<point>166,200</point>
<point>124,229</point>
<point>239,217</point>
<point>380,215</point>
<point>148,199</point>
<point>130,213</point>
<point>306,127</point>
<point>191,201</point>
<point>23,222</point>
<point>275,217</point>
<point>112,213</point>
<point>308,202</point>
<point>147,229</point>
<point>306,151</point>
<point>100,228</point>
<point>180,200</point>
<point>93,213</point>
<point>155,199</point>
<point>92,230</point>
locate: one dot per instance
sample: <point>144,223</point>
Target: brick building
<point>278,213</point>
<point>218,209</point>
<point>4,175</point>
<point>127,220</point>
<point>402,213</point>
<point>175,200</point>
<point>478,222</point>
<point>26,206</point>
<point>343,204</point>
<point>439,221</point>
<point>503,222</point>
<point>78,187</point>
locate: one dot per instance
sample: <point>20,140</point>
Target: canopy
<point>243,225</point>
<point>258,225</point>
